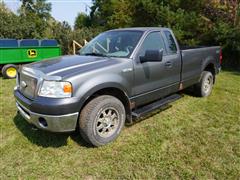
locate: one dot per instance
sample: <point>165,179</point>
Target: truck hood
<point>66,65</point>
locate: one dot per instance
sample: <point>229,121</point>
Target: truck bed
<point>193,60</point>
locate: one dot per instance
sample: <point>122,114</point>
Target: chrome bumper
<point>62,123</point>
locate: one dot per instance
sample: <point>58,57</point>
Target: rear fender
<point>207,61</point>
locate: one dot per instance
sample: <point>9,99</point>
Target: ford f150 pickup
<point>118,76</point>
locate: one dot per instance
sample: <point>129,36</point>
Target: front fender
<point>92,85</point>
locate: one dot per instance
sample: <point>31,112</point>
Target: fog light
<point>42,122</point>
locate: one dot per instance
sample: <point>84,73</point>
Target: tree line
<point>200,22</point>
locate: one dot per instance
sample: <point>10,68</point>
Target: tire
<point>204,87</point>
<point>9,71</point>
<point>102,120</point>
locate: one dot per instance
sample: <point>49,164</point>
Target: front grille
<point>27,85</point>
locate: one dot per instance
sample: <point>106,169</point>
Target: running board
<point>155,105</point>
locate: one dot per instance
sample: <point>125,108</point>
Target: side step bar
<point>155,105</point>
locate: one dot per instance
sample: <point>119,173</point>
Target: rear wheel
<point>9,71</point>
<point>102,120</point>
<point>204,87</point>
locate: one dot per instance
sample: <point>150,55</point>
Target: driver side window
<point>153,41</point>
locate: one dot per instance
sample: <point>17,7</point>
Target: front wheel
<point>204,87</point>
<point>102,120</point>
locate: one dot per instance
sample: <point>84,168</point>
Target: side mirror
<point>152,56</point>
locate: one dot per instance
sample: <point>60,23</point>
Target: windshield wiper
<point>95,54</point>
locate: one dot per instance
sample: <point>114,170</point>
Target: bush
<point>229,38</point>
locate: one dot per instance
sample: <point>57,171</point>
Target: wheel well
<point>211,68</point>
<point>119,94</point>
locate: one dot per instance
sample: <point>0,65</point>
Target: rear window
<point>171,45</point>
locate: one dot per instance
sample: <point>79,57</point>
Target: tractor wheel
<point>9,71</point>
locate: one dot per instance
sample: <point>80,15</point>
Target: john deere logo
<point>32,53</point>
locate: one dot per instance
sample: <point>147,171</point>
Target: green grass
<point>195,138</point>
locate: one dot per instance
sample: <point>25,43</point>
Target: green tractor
<point>16,52</point>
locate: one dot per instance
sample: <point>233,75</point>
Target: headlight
<point>56,89</point>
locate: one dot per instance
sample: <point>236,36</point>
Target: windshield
<point>112,44</point>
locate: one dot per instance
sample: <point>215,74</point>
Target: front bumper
<point>53,123</point>
<point>55,115</point>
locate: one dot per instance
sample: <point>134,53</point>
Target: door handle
<point>168,64</point>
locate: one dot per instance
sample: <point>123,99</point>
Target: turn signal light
<point>67,88</point>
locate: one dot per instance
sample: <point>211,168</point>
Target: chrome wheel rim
<point>207,84</point>
<point>107,122</point>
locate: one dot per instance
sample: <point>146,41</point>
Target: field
<point>196,138</point>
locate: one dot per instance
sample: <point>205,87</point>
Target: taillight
<point>220,56</point>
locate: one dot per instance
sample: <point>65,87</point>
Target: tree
<point>8,23</point>
<point>62,32</point>
<point>82,20</point>
<point>202,22</point>
<point>36,14</point>
<point>36,7</point>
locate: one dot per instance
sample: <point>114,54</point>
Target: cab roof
<point>143,29</point>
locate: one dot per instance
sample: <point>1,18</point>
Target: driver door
<point>154,80</point>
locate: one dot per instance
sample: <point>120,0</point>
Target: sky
<point>62,10</point>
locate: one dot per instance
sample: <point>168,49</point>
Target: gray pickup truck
<point>120,75</point>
